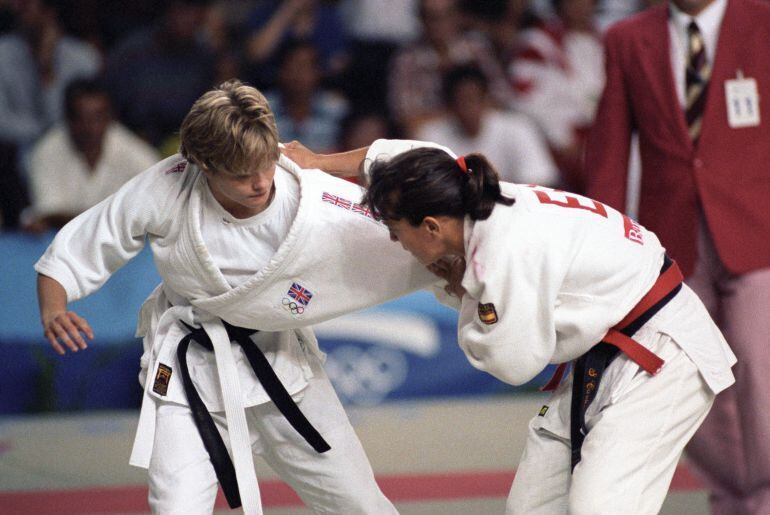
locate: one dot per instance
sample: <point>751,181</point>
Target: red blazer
<point>727,173</point>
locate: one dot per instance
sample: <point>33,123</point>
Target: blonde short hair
<point>230,129</point>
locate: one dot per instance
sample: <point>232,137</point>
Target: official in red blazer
<point>692,78</point>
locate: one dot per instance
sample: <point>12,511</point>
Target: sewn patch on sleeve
<point>487,313</point>
<point>543,411</point>
<point>177,168</point>
<point>162,378</point>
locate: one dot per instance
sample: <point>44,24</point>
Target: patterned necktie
<point>697,77</point>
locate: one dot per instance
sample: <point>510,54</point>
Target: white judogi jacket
<point>552,273</point>
<point>557,271</point>
<point>335,259</point>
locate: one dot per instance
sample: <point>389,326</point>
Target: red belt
<point>667,282</point>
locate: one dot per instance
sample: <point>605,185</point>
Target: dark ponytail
<point>429,182</point>
<point>482,189</point>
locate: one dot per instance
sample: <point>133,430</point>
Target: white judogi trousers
<point>630,453</point>
<point>182,479</point>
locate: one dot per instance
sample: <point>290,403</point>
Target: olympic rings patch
<point>292,307</point>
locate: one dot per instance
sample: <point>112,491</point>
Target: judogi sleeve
<point>506,324</point>
<point>100,240</point>
<point>387,149</point>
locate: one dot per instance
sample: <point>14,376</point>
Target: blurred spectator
<point>510,141</point>
<point>683,75</point>
<point>215,28</point>
<point>415,77</point>
<point>501,21</point>
<point>558,77</point>
<point>374,39</point>
<point>157,73</point>
<point>303,111</point>
<point>388,21</point>
<point>83,161</point>
<point>36,62</point>
<point>276,24</point>
<point>97,21</point>
<point>360,129</point>
<point>219,35</point>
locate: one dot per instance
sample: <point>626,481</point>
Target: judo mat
<point>431,457</point>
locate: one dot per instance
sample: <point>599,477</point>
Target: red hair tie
<point>461,163</point>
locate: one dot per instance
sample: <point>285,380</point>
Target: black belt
<point>589,368</point>
<point>212,440</point>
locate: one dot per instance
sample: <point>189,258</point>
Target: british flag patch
<point>300,294</point>
<point>363,210</point>
<point>177,168</point>
<point>336,201</point>
<point>347,205</point>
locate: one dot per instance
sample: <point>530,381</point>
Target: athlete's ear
<point>432,225</point>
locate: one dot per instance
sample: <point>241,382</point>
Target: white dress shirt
<point>62,182</point>
<point>708,20</point>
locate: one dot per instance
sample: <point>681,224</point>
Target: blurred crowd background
<point>93,91</point>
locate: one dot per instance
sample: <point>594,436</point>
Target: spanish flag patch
<point>487,313</point>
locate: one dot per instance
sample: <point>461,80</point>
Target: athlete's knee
<point>182,501</point>
<point>525,498</point>
<point>357,492</point>
<point>587,500</point>
<point>354,499</point>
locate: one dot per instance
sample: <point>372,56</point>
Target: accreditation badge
<point>742,98</point>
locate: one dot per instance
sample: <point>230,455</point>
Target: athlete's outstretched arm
<point>58,323</point>
<point>354,163</point>
<point>90,248</point>
<point>341,164</point>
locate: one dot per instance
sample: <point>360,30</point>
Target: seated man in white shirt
<point>509,140</point>
<point>80,162</point>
